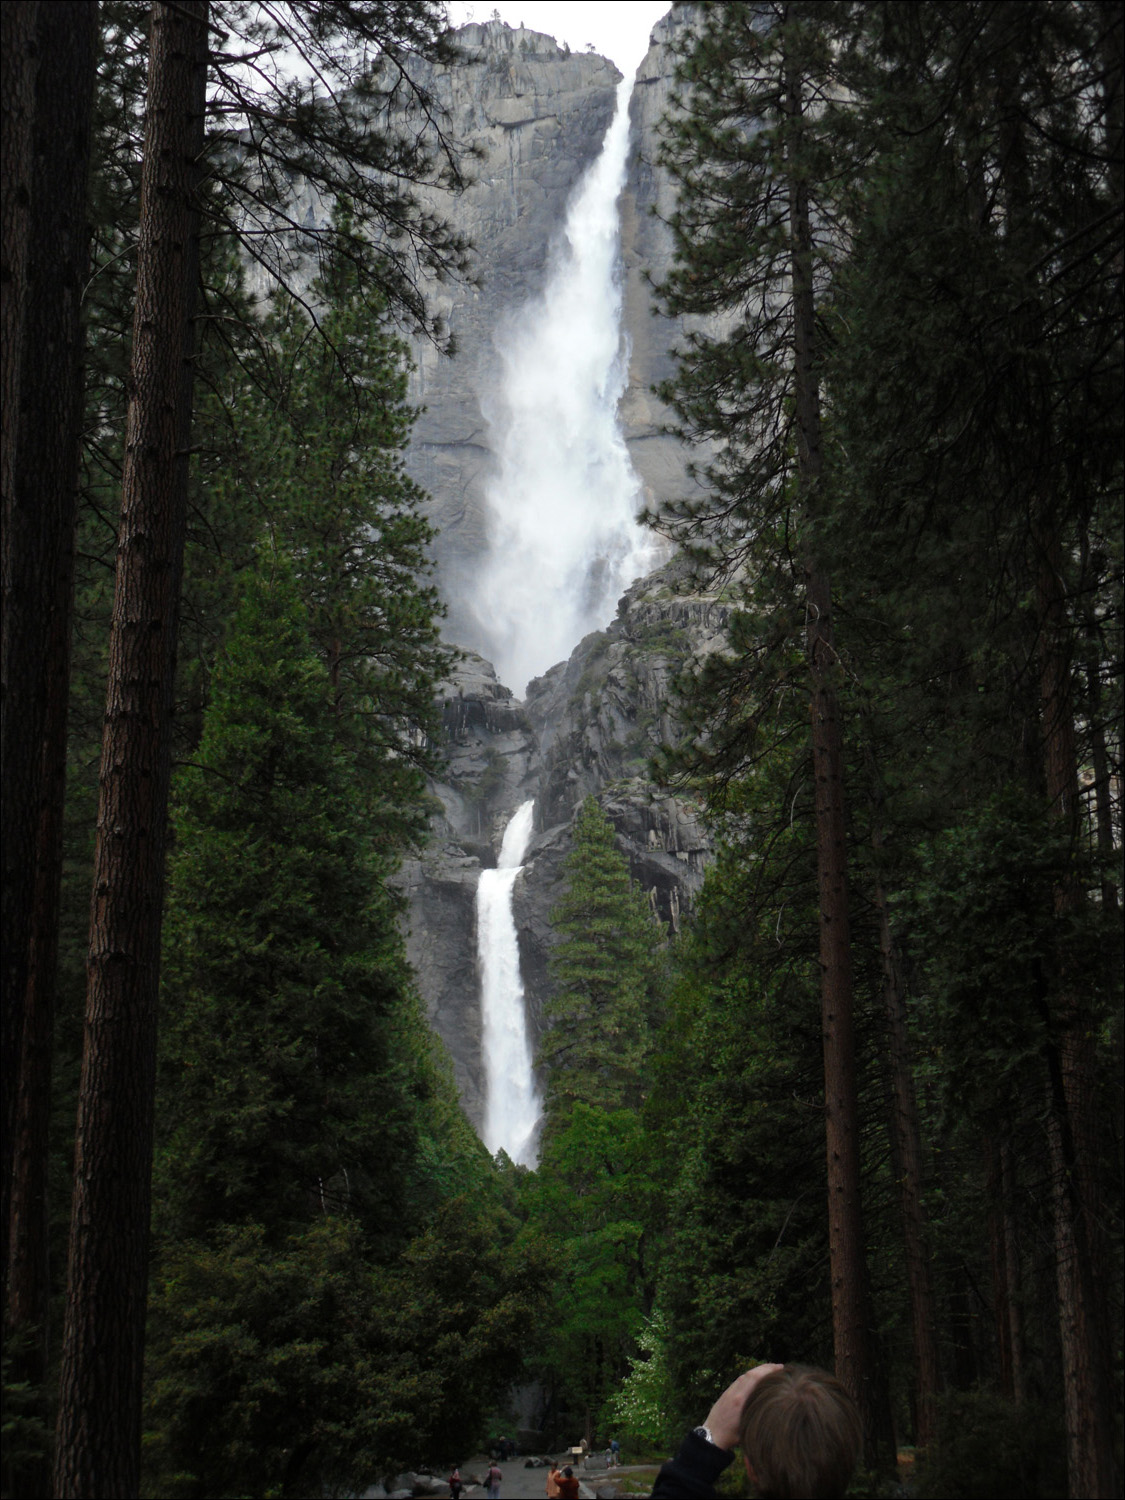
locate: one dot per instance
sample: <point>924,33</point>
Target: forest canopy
<point>862,1107</point>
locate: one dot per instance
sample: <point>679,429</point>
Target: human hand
<point>724,1417</point>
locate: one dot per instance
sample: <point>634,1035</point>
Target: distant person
<point>455,1483</point>
<point>798,1429</point>
<point>568,1485</point>
<point>614,1453</point>
<point>554,1474</point>
<point>494,1481</point>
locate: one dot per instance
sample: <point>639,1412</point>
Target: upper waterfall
<point>564,540</point>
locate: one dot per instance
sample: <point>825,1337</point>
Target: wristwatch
<point>705,1434</point>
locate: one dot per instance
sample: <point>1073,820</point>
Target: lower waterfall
<point>512,1106</point>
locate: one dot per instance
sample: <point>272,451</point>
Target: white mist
<point>564,540</point>
<point>512,1106</point>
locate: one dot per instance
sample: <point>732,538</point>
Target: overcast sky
<point>619,29</point>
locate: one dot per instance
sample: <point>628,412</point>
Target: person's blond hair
<point>800,1433</point>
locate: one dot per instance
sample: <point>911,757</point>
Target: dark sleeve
<point>691,1475</point>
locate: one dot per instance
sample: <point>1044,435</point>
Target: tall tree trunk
<point>906,1147</point>
<point>1073,1136</point>
<point>18,66</point>
<point>1002,1288</point>
<point>46,484</point>
<point>851,1319</point>
<point>98,1438</point>
<point>1014,1279</point>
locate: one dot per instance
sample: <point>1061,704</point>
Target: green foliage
<point>591,1198</point>
<point>645,1406</point>
<point>736,1130</point>
<point>322,432</point>
<point>281,968</point>
<point>25,1427</point>
<point>606,969</point>
<point>302,1367</point>
<point>991,1446</point>
<point>593,1195</point>
<point>260,1372</point>
<point>328,1303</point>
<point>981,919</point>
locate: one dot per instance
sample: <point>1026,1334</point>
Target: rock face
<point>538,113</point>
<point>647,252</point>
<point>586,729</point>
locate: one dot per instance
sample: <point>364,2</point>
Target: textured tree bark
<point>1073,1133</point>
<point>906,1150</point>
<point>1003,1287</point>
<point>851,1320</point>
<point>1011,1252</point>
<point>46,483</point>
<point>98,1437</point>
<point>18,65</point>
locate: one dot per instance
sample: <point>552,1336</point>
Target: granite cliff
<point>586,728</point>
<point>538,115</point>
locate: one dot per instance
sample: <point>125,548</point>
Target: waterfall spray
<point>512,1106</point>
<point>564,539</point>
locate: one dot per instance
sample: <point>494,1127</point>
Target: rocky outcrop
<point>538,114</point>
<point>647,248</point>
<point>586,728</point>
<point>490,757</point>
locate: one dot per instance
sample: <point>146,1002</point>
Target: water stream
<point>565,543</point>
<point>512,1105</point>
<point>564,538</point>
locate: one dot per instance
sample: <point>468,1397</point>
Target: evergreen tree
<point>45,271</point>
<point>977,397</point>
<point>320,464</point>
<point>605,967</point>
<point>365,49</point>
<point>592,1194</point>
<point>318,1193</point>
<point>757,229</point>
<point>99,1402</point>
<point>281,956</point>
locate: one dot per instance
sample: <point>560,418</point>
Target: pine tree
<point>99,1402</point>
<point>758,227</point>
<point>282,961</point>
<point>972,381</point>
<point>320,465</point>
<point>592,1193</point>
<point>42,429</point>
<point>333,144</point>
<point>311,1160</point>
<point>597,1031</point>
<point>733,1129</point>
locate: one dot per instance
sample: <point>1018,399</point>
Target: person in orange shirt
<point>553,1476</point>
